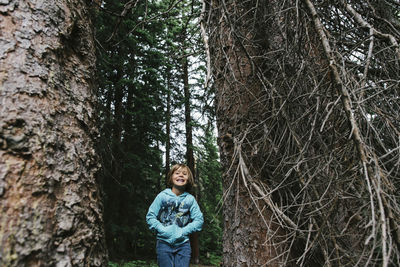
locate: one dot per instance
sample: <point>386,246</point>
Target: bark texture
<point>51,213</point>
<point>251,235</point>
<point>308,118</point>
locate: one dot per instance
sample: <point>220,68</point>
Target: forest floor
<point>147,263</point>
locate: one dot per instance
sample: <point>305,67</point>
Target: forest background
<point>155,111</point>
<point>99,98</point>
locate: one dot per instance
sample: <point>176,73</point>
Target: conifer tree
<point>308,111</point>
<point>131,94</point>
<point>51,212</point>
<point>209,175</point>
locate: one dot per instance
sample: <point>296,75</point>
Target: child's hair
<point>190,183</point>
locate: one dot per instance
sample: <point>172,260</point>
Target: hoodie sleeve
<point>151,217</point>
<point>197,219</point>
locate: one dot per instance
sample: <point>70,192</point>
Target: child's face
<point>180,177</point>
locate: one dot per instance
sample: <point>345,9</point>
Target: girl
<point>173,215</point>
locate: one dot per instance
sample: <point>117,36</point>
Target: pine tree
<point>148,58</point>
<point>307,111</point>
<point>51,213</point>
<point>209,176</point>
<point>131,93</point>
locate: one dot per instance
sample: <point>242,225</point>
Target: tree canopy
<point>142,49</point>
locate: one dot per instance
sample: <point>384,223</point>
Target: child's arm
<point>151,217</point>
<point>197,219</point>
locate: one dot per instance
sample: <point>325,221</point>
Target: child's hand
<point>173,233</point>
<point>165,232</point>
<point>178,234</point>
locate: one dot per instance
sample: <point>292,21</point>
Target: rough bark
<point>307,114</point>
<point>251,236</point>
<point>51,213</point>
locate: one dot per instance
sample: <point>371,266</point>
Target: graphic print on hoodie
<point>174,211</point>
<point>174,217</point>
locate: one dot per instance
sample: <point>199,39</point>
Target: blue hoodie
<point>174,217</point>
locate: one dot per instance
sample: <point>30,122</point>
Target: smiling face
<point>180,177</point>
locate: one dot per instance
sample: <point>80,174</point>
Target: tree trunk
<point>249,231</point>
<point>168,129</point>
<point>117,127</point>
<point>51,213</point>
<point>188,118</point>
<point>305,118</point>
<point>194,238</point>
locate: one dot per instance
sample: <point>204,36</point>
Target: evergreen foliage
<point>140,49</point>
<point>209,172</point>
<point>130,92</point>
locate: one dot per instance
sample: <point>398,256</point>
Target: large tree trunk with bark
<point>307,114</point>
<point>51,213</point>
<point>250,233</point>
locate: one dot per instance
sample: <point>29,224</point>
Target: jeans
<point>173,256</point>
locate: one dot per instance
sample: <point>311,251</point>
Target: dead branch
<point>309,92</point>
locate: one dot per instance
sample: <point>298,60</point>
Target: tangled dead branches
<point>309,92</point>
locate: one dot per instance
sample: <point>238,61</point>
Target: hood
<point>169,192</point>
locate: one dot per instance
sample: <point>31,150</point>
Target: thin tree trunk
<point>117,127</point>
<point>51,213</point>
<point>194,240</point>
<point>188,119</point>
<point>168,129</point>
